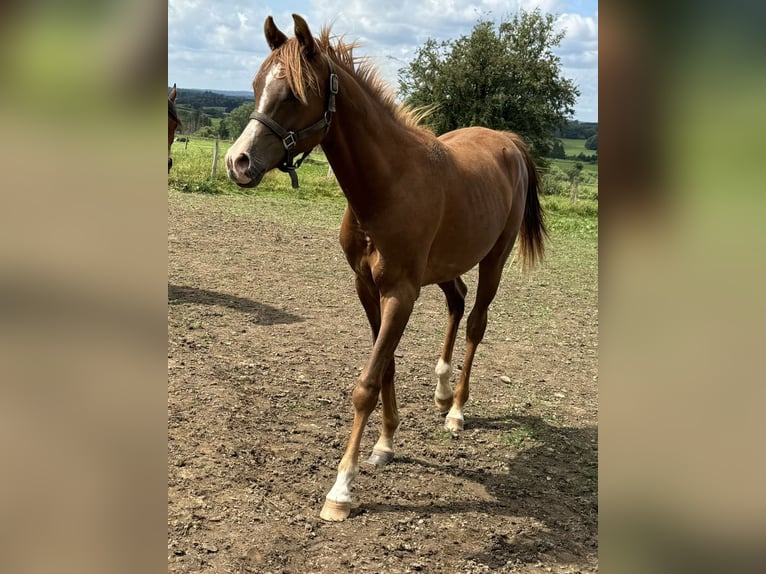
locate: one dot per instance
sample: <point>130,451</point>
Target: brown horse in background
<point>421,210</point>
<point>173,122</point>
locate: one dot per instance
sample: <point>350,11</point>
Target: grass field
<point>192,167</point>
<point>573,147</point>
<point>576,146</point>
<point>566,164</point>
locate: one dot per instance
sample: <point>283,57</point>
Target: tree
<point>577,130</point>
<point>592,142</point>
<point>557,150</point>
<point>192,120</point>
<point>206,132</point>
<point>223,130</point>
<point>238,118</point>
<point>501,77</point>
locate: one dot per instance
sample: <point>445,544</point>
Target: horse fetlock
<point>443,405</point>
<point>380,457</point>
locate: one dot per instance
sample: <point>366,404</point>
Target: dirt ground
<point>265,340</point>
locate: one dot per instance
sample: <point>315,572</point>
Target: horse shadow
<point>555,482</point>
<point>262,314</point>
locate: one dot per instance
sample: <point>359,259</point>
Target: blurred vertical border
<point>83,286</point>
<point>683,116</point>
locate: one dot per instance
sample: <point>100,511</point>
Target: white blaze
<point>273,74</point>
<point>244,143</point>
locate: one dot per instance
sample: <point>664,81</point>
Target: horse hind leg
<point>455,292</point>
<point>383,451</point>
<point>490,271</point>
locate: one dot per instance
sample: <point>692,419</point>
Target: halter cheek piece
<point>290,139</point>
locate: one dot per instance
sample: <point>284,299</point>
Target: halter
<point>290,139</point>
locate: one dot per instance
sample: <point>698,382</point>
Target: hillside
<point>202,99</point>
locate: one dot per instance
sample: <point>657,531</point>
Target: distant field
<point>566,164</point>
<point>574,147</point>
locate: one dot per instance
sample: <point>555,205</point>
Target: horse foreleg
<point>369,296</point>
<point>396,308</point>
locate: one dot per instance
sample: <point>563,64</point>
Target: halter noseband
<point>290,139</point>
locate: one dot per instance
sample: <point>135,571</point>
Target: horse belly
<point>459,246</point>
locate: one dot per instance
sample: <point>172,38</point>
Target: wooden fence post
<point>215,159</point>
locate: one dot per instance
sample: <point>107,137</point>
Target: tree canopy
<point>236,121</point>
<point>503,76</point>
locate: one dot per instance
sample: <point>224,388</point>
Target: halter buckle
<point>289,141</point>
<point>333,93</point>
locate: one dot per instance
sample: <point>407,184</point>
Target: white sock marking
<point>443,370</point>
<point>341,490</point>
<point>455,413</point>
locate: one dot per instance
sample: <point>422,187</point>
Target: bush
<point>554,181</point>
<point>206,132</point>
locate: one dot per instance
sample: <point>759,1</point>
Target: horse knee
<point>365,395</point>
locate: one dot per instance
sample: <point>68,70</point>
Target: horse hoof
<point>453,424</point>
<point>380,457</point>
<point>333,511</point>
<point>444,405</point>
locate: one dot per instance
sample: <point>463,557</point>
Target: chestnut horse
<point>421,210</point>
<point>173,122</point>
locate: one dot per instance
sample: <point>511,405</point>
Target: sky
<point>219,44</point>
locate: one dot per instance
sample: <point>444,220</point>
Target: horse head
<point>294,99</point>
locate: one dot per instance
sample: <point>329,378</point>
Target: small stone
<point>506,379</point>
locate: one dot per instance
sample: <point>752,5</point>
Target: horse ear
<point>304,36</point>
<point>274,36</point>
<point>172,95</point>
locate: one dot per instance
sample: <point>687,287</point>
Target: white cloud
<point>220,44</point>
<point>579,48</point>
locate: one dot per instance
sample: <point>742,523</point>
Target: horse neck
<point>364,145</point>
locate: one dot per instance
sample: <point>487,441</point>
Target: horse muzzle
<point>244,170</point>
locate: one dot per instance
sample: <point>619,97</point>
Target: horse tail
<point>533,232</point>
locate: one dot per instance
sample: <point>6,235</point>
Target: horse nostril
<point>242,163</point>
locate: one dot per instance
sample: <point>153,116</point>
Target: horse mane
<point>302,78</point>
